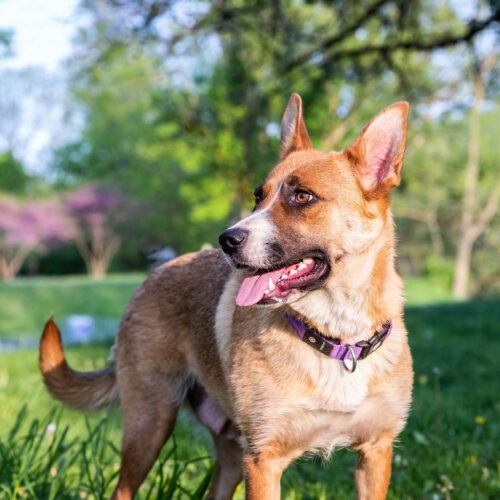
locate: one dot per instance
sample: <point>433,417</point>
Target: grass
<point>448,450</point>
<point>26,303</point>
<point>45,462</point>
<point>420,291</point>
<point>50,452</point>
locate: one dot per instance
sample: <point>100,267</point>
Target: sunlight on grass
<point>420,291</point>
<point>26,303</point>
<point>449,445</point>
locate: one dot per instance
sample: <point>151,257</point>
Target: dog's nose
<point>232,239</point>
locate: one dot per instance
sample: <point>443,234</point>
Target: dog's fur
<point>267,397</point>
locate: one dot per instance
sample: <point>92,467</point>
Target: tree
<point>29,226</point>
<point>475,219</point>
<point>139,136</point>
<point>258,52</point>
<point>5,42</point>
<point>183,101</point>
<point>96,212</point>
<point>13,178</point>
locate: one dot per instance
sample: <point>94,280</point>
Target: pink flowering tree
<point>97,212</point>
<point>30,226</point>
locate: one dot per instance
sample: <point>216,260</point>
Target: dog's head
<point>314,208</point>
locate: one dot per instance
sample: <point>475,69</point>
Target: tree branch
<point>416,44</point>
<point>487,213</point>
<point>333,40</point>
<point>430,219</point>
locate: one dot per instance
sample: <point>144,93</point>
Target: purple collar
<point>334,348</point>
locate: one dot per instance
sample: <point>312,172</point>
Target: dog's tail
<point>79,390</point>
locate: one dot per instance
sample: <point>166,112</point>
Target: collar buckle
<point>373,343</point>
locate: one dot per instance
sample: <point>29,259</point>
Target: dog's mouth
<point>275,285</point>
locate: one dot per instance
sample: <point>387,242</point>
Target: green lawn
<point>448,450</point>
<point>26,303</point>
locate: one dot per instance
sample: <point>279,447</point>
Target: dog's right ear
<point>294,136</point>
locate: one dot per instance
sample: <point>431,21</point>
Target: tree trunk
<point>5,271</point>
<point>98,252</point>
<point>462,268</point>
<point>98,268</point>
<point>472,223</point>
<point>11,262</point>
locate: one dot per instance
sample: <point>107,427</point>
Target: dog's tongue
<point>274,284</point>
<point>253,288</point>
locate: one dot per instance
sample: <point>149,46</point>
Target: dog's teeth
<point>272,286</point>
<point>307,261</point>
<point>293,272</point>
<point>301,266</point>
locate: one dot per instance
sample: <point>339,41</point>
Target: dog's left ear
<point>294,136</point>
<point>378,151</point>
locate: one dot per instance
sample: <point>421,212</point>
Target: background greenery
<point>448,450</point>
<point>27,303</point>
<point>178,105</point>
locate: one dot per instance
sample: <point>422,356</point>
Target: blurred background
<point>133,131</point>
<point>131,127</point>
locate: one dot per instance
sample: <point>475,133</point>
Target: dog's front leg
<point>373,469</point>
<point>262,476</point>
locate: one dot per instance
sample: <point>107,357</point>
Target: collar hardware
<point>374,342</point>
<point>334,348</point>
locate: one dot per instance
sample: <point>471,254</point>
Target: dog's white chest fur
<point>224,319</point>
<point>337,389</point>
<point>330,387</point>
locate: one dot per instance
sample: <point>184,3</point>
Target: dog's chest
<point>332,388</point>
<point>299,397</point>
<point>279,384</point>
<point>291,369</point>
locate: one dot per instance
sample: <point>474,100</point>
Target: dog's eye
<point>258,196</point>
<point>257,200</point>
<point>302,198</point>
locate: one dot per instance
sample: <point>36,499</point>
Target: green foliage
<point>423,291</point>
<point>183,112</point>
<point>486,264</point>
<point>152,133</point>
<point>430,195</point>
<point>13,178</point>
<point>439,270</point>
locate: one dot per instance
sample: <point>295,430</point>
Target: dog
<point>290,340</point>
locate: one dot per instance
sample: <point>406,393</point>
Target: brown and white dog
<point>281,345</point>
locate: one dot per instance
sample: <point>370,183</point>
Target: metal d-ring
<point>354,360</point>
